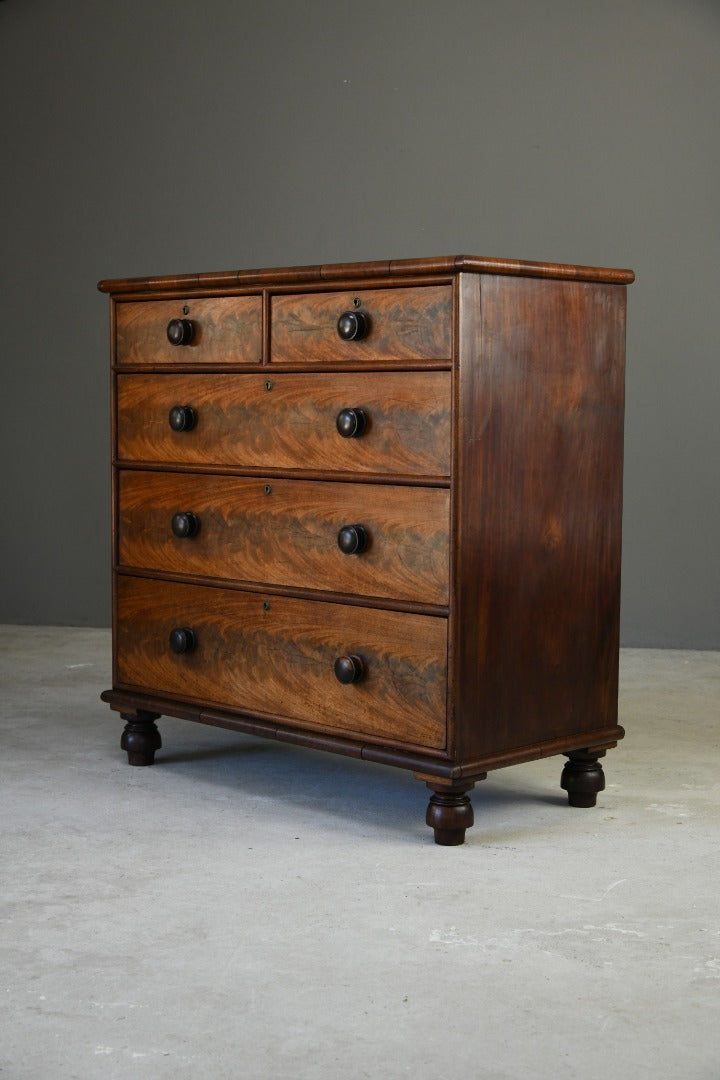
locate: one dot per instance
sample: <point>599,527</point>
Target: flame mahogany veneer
<point>374,508</point>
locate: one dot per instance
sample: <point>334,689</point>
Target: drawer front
<point>276,657</point>
<point>401,324</point>
<point>289,421</point>
<point>225,330</point>
<point>287,532</point>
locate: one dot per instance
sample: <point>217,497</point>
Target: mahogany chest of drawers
<point>373,508</point>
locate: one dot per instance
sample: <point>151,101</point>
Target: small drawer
<point>365,539</point>
<point>283,657</point>
<point>392,422</point>
<point>385,324</point>
<point>208,330</point>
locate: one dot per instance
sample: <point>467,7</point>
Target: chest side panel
<point>540,436</point>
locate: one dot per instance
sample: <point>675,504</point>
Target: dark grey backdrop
<point>179,136</point>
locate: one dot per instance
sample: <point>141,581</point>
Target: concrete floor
<point>247,909</point>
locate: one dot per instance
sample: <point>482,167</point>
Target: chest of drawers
<point>375,509</point>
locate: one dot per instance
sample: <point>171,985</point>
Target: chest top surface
<point>443,264</point>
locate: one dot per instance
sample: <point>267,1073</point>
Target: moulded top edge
<point>444,264</point>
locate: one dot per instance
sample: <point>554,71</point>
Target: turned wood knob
<point>349,669</point>
<point>351,423</point>
<point>182,640</point>
<point>353,325</point>
<point>185,524</point>
<point>180,331</point>
<point>352,539</point>
<point>182,418</point>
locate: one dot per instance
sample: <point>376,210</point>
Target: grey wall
<point>165,137</point>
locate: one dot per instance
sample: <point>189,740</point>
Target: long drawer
<point>393,324</point>
<point>289,421</point>
<point>221,330</point>
<point>276,656</point>
<point>367,539</point>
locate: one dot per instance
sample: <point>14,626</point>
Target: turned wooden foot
<point>141,737</point>
<point>449,812</point>
<point>583,776</point>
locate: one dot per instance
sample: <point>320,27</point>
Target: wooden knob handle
<point>182,418</point>
<point>352,539</point>
<point>351,423</point>
<point>185,524</point>
<point>353,325</point>
<point>349,669</point>
<point>180,331</point>
<point>182,640</point>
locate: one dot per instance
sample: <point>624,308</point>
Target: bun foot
<point>141,737</point>
<point>449,814</point>
<point>582,777</point>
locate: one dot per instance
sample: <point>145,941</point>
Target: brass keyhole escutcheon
<point>266,605</point>
<point>186,309</point>
<point>269,385</point>
<point>357,301</point>
<point>268,489</point>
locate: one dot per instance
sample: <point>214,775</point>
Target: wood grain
<point>277,657</point>
<point>540,433</point>
<point>291,425</point>
<point>395,269</point>
<point>405,324</point>
<point>227,330</point>
<point>284,532</point>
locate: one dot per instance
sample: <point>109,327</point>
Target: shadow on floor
<point>356,791</point>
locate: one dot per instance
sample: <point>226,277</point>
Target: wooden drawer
<point>403,324</point>
<point>276,657</point>
<point>225,330</point>
<point>285,532</point>
<point>289,421</point>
